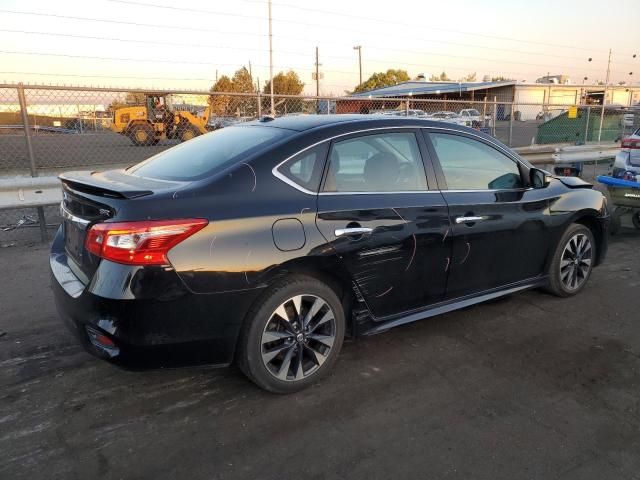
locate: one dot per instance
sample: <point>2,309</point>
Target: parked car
<point>270,241</point>
<point>627,120</point>
<point>412,112</point>
<point>476,118</point>
<point>450,117</point>
<point>628,158</point>
<point>384,112</point>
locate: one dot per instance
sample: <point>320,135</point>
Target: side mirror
<point>539,178</point>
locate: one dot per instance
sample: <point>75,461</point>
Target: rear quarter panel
<point>236,251</point>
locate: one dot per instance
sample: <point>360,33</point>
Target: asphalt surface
<point>529,386</point>
<point>104,148</point>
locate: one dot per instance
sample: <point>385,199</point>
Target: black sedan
<point>270,241</point>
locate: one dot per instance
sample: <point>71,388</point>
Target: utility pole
<point>273,108</point>
<point>604,96</point>
<point>359,48</point>
<point>317,75</point>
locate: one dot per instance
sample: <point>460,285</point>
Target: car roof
<point>307,122</point>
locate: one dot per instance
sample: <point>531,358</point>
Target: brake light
<point>631,143</point>
<point>140,243</point>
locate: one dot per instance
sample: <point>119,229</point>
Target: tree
<point>285,84</point>
<point>383,79</point>
<point>501,79</point>
<point>131,98</point>
<point>135,98</point>
<point>241,82</point>
<point>469,78</point>
<point>220,104</point>
<point>439,78</point>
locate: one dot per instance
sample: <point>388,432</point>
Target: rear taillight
<point>140,243</point>
<point>631,143</point>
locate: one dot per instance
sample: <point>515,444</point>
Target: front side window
<point>385,162</point>
<point>468,164</point>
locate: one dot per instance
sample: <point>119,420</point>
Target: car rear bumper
<point>125,312</point>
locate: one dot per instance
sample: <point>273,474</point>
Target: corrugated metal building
<point>545,95</point>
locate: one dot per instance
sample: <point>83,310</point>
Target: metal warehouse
<point>453,94</point>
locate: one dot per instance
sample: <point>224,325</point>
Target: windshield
<point>208,154</point>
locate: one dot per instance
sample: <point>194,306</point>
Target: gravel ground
<point>529,386</point>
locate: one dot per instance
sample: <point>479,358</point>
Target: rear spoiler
<point>113,183</point>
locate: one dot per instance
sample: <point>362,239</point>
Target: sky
<point>185,45</point>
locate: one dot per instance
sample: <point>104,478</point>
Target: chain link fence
<point>65,128</point>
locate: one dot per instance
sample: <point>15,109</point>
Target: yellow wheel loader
<point>157,120</point>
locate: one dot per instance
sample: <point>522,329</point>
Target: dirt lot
<point>529,386</point>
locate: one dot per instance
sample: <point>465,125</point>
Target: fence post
<point>406,107</point>
<point>484,112</point>
<point>259,105</point>
<point>32,161</point>
<point>586,128</point>
<point>513,112</point>
<point>495,117</point>
<point>601,119</point>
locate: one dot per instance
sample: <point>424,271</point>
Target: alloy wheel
<point>298,337</point>
<point>575,263</point>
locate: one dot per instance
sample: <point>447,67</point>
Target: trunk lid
<point>92,197</point>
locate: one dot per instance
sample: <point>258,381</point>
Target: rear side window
<point>305,169</point>
<point>386,162</point>
<point>208,154</point>
<point>468,164</point>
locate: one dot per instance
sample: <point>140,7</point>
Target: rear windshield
<point>208,154</point>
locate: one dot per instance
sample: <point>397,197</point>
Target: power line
<point>358,17</point>
<point>136,24</point>
<point>121,77</point>
<point>157,60</point>
<point>155,42</point>
<point>306,39</point>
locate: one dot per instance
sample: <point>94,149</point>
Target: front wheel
<point>187,132</point>
<point>292,337</point>
<point>572,262</point>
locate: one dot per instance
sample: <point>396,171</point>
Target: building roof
<point>430,88</point>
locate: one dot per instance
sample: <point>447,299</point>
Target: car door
<point>376,210</point>
<point>498,224</point>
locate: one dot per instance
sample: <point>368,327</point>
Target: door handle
<point>469,219</point>
<point>339,232</point>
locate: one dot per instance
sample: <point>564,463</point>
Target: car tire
<point>635,219</point>
<point>285,355</point>
<point>572,261</point>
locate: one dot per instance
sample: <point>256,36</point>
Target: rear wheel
<point>142,134</point>
<point>572,262</point>
<point>635,218</point>
<point>293,336</point>
<point>187,132</point>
